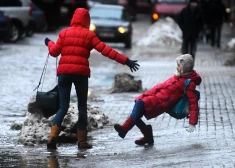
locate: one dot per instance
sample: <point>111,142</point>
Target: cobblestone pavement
<point>211,145</point>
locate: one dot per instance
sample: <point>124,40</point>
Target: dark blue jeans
<point>137,113</point>
<point>81,85</point>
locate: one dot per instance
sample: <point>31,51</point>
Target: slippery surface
<point>211,145</point>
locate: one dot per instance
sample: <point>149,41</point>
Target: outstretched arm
<point>107,51</point>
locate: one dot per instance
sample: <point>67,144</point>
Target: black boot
<point>148,136</point>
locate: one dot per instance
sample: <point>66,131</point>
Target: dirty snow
<point>124,82</point>
<point>230,46</point>
<point>163,33</point>
<point>36,128</point>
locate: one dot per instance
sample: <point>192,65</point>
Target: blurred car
<point>20,13</point>
<point>71,5</point>
<point>113,2</point>
<point>5,23</point>
<point>143,6</point>
<point>75,3</point>
<point>111,23</point>
<point>39,18</point>
<point>163,8</point>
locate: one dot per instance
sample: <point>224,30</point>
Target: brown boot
<point>82,140</point>
<point>52,139</point>
<point>53,162</point>
<point>148,136</point>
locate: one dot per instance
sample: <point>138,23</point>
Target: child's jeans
<point>137,113</point>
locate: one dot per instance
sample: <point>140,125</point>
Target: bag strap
<point>186,83</point>
<point>44,72</point>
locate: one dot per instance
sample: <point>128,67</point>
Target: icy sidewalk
<point>211,145</point>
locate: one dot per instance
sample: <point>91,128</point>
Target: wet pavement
<point>211,145</point>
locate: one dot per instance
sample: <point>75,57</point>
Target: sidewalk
<point>211,145</point>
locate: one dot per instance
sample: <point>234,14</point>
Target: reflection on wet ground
<point>26,157</point>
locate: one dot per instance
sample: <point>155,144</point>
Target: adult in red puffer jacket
<point>74,45</point>
<point>161,98</point>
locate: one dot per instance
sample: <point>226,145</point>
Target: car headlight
<point>228,10</point>
<point>122,29</point>
<point>92,27</point>
<point>155,16</point>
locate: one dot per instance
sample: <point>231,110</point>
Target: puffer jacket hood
<point>195,77</point>
<point>81,17</point>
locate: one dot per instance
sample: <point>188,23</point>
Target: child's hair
<point>186,62</point>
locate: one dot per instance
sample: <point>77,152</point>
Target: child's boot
<point>123,129</point>
<point>148,136</point>
<point>52,140</point>
<point>82,140</point>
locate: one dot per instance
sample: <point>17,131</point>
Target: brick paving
<point>211,145</point>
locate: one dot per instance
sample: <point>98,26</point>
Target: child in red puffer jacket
<point>161,98</point>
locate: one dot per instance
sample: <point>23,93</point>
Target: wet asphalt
<point>211,145</point>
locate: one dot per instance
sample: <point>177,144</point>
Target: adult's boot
<point>52,139</point>
<point>148,136</point>
<point>82,140</point>
<point>123,129</point>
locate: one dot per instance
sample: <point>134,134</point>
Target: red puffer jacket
<point>164,95</point>
<point>75,43</point>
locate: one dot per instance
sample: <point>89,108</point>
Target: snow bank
<point>36,128</point>
<point>163,33</point>
<point>230,45</point>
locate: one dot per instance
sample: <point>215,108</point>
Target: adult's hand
<point>46,41</point>
<point>132,64</point>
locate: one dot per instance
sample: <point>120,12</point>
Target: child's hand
<point>190,128</point>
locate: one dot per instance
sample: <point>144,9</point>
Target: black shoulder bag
<point>47,101</point>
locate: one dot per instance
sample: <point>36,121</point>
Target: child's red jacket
<point>164,95</point>
<point>75,43</point>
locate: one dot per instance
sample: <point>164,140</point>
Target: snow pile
<point>163,33</point>
<point>36,128</point>
<point>125,82</point>
<point>230,45</point>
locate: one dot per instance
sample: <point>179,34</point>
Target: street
<point>211,145</point>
